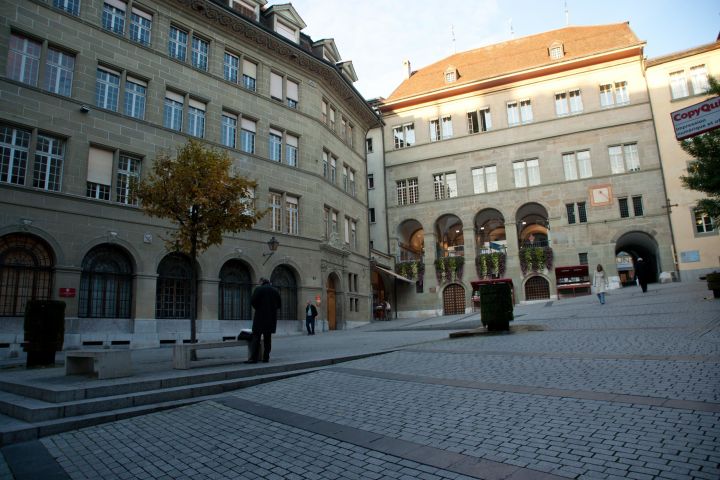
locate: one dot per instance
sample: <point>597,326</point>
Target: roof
<point>683,54</point>
<point>517,55</point>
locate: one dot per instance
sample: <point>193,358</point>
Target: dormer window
<point>286,30</point>
<point>246,9</point>
<point>556,51</point>
<point>450,75</point>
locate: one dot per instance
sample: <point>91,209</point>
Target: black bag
<point>245,335</point>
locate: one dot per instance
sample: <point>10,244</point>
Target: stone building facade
<point>92,90</point>
<point>512,160</point>
<point>677,81</point>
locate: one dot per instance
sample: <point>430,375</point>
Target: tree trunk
<point>193,296</point>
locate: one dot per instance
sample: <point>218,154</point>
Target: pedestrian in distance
<point>387,310</point>
<point>600,283</point>
<point>266,302</point>
<point>641,273</point>
<point>310,314</point>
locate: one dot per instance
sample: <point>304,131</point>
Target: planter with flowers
<point>449,268</point>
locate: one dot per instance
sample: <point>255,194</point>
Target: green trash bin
<point>496,306</point>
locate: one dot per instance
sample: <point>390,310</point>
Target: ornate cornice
<point>289,53</point>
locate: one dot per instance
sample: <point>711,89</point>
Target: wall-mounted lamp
<point>112,235</point>
<point>25,222</point>
<point>273,245</point>
<point>84,108</point>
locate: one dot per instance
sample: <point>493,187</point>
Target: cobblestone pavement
<point>630,389</point>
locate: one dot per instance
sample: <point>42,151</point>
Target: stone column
<point>512,262</point>
<point>145,329</point>
<point>208,324</point>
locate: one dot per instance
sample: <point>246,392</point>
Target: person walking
<point>641,273</point>
<point>310,314</point>
<point>600,283</point>
<point>387,309</point>
<point>266,302</point>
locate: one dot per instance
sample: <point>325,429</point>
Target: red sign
<point>67,292</point>
<point>696,119</point>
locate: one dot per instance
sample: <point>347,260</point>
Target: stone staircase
<point>34,406</point>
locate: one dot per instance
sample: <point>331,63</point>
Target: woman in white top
<point>600,283</point>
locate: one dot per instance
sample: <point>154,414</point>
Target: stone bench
<point>99,363</point>
<point>182,354</point>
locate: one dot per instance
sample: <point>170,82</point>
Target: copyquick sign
<point>696,119</point>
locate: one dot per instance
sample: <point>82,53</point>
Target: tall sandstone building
<point>93,90</point>
<point>532,161</point>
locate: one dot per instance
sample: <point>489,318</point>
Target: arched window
<point>105,284</point>
<point>284,280</point>
<point>235,291</point>
<point>26,271</point>
<point>173,287</point>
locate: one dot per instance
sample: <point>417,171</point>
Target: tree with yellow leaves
<point>196,191</point>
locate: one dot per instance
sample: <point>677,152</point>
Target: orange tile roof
<point>517,55</point>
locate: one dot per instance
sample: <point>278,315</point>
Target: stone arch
<point>536,287</point>
<point>234,291</point>
<point>449,236</point>
<point>640,244</point>
<point>27,268</point>
<point>454,299</point>
<point>106,283</point>
<point>411,240</point>
<point>533,222</point>
<point>285,279</point>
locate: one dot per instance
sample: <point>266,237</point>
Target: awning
<point>392,274</point>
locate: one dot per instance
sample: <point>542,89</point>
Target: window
<point>228,129</point>
<point>140,26</point>
<point>48,168</point>
<point>291,150</point>
<point>286,30</point>
<point>200,49</point>
<point>99,173</point>
<point>368,145</point>
<point>678,85</point>
<point>291,215</point>
<point>450,75</point>
<point>333,169</point>
<point>353,236</point>
<point>177,43</point>
<point>568,103</point>
<point>699,79</point>
<point>556,52</point>
<point>173,111</point>
<point>637,205</point>
<point>513,114</point>
<point>325,169</point>
<point>292,94</point>
<point>624,210</point>
<point>247,135</point>
<point>404,135</point>
<point>196,118</point>
<point>526,115</point>
<point>371,215</point>
<point>128,176</point>
<point>577,164</point>
<point>479,121</point>
<point>70,6</point>
<point>485,179</point>
<point>343,127</point>
<point>371,181</point>
<point>23,62</point>
<point>624,158</point>
<point>445,185</point>
<point>347,230</point>
<point>332,119</point>
<point>105,284</point>
<point>527,173</point>
<point>231,67</point>
<point>323,111</point>
<point>59,68</point>
<point>350,139</point>
<point>26,269</point>
<point>351,182</point>
<point>113,16</point>
<point>614,94</point>
<point>441,129</point>
<point>583,258</point>
<point>284,211</point>
<point>107,89</point>
<point>582,212</point>
<point>135,93</point>
<point>570,208</point>
<point>172,291</point>
<point>345,177</point>
<point>14,150</point>
<point>276,89</point>
<point>407,191</point>
<point>275,147</point>
<point>703,222</point>
<point>249,77</point>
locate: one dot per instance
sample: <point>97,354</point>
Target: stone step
<point>35,419</point>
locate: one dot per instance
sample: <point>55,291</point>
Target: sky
<point>378,35</point>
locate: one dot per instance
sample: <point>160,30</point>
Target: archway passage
<point>26,272</point>
<point>172,295</point>
<point>283,279</point>
<point>411,240</point>
<point>537,288</point>
<point>332,283</point>
<point>106,283</point>
<point>640,245</point>
<point>235,291</point>
<point>454,300</point>
<point>449,237</point>
<point>532,225</point>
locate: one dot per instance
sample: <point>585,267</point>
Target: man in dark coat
<point>266,302</point>
<point>310,314</point>
<point>641,272</point>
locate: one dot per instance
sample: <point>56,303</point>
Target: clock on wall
<point>601,195</point>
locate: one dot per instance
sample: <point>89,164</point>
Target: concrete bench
<point>182,353</point>
<point>99,363</point>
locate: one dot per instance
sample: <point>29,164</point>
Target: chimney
<point>408,71</point>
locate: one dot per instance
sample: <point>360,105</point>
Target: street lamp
<point>273,245</point>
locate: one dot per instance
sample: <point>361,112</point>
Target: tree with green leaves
<point>196,191</point>
<point>704,172</point>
